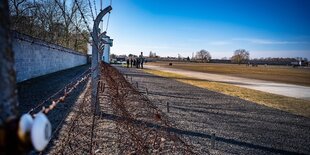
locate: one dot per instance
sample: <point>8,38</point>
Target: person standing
<point>138,63</point>
<point>141,59</point>
<point>128,63</point>
<point>134,62</point>
<point>131,61</point>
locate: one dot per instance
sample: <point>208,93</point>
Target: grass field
<point>289,104</point>
<point>283,74</point>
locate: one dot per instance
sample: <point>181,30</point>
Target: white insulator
<point>24,127</point>
<point>41,132</point>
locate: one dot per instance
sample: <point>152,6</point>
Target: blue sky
<point>266,28</point>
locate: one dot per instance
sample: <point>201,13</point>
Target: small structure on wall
<point>106,50</point>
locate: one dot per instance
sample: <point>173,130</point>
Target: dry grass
<point>283,74</point>
<point>289,104</point>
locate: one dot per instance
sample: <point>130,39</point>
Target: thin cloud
<point>219,43</point>
<point>268,42</point>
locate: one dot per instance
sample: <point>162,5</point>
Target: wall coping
<point>33,40</point>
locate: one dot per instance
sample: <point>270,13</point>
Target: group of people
<point>137,62</point>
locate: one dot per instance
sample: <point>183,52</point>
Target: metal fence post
<point>95,53</point>
<point>213,140</point>
<point>168,108</point>
<point>8,97</point>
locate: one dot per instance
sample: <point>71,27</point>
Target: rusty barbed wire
<point>91,9</point>
<point>95,7</point>
<point>70,20</point>
<point>88,28</point>
<point>67,92</point>
<point>120,98</point>
<point>139,127</point>
<point>64,89</point>
<point>83,17</point>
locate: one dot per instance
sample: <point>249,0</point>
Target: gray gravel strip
<point>141,128</point>
<point>240,127</point>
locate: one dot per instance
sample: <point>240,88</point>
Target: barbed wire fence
<point>51,103</point>
<point>137,126</point>
<point>128,123</point>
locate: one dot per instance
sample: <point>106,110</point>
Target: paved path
<point>289,90</point>
<point>241,127</point>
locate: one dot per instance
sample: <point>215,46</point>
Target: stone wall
<point>34,57</point>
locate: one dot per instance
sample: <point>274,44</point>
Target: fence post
<point>168,108</point>
<point>95,70</point>
<point>95,58</point>
<point>213,140</point>
<point>8,97</point>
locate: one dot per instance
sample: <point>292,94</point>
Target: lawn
<point>289,104</point>
<point>283,74</point>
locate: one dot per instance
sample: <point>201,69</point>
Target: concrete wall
<point>34,57</point>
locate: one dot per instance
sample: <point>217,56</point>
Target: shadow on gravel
<point>219,112</point>
<point>197,134</point>
<point>36,90</point>
<point>168,95</point>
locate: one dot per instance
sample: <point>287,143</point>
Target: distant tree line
<point>240,56</point>
<point>152,55</point>
<point>55,21</point>
<point>270,59</point>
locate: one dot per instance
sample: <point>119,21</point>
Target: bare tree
<point>113,56</point>
<point>19,14</point>
<point>179,56</point>
<point>240,56</point>
<point>203,55</point>
<point>55,21</point>
<point>153,55</point>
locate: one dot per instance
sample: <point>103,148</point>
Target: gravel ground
<point>240,127</point>
<point>126,123</point>
<point>75,134</point>
<point>141,127</point>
